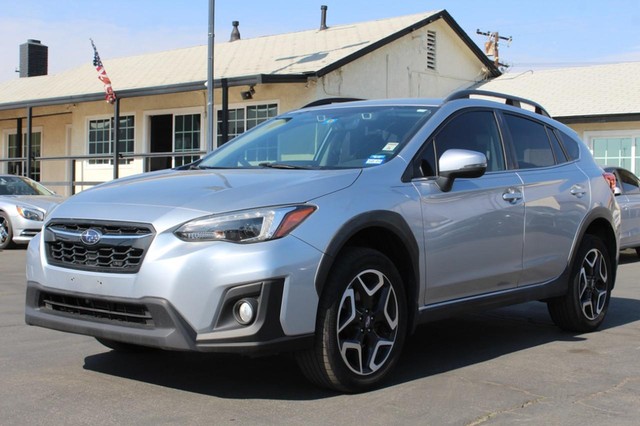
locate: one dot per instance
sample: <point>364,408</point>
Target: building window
<point>100,132</point>
<point>15,151</point>
<point>187,137</point>
<point>617,151</point>
<point>245,118</point>
<point>431,50</point>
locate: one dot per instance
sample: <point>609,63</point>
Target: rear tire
<point>638,251</point>
<point>6,232</point>
<point>361,325</point>
<point>585,305</point>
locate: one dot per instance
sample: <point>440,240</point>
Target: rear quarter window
<point>570,145</point>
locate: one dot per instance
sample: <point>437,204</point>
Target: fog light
<point>245,311</point>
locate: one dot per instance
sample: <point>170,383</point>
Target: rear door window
<point>561,157</point>
<point>530,142</point>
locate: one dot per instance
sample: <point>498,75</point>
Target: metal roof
<point>277,58</point>
<point>570,93</point>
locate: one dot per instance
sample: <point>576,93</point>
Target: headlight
<point>31,213</point>
<point>248,226</point>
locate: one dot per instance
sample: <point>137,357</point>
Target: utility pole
<point>491,46</point>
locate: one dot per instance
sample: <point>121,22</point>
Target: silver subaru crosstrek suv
<point>332,231</point>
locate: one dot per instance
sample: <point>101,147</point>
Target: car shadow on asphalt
<point>434,348</point>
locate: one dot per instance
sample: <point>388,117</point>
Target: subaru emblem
<point>91,236</point>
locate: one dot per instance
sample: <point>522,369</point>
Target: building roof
<point>277,58</point>
<point>578,93</point>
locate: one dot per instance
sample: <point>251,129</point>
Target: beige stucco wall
<point>399,69</point>
<point>601,127</point>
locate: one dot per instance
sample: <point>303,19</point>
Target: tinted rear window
<point>530,142</point>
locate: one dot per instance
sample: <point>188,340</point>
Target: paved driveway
<point>508,366</point>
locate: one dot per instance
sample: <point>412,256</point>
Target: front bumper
<point>155,322</point>
<point>24,229</point>
<point>182,296</point>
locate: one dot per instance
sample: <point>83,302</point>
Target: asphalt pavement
<point>503,367</point>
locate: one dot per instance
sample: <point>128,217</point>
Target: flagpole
<point>210,118</point>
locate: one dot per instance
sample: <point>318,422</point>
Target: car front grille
<point>113,312</point>
<point>97,246</point>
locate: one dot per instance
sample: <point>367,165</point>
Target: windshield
<point>18,185</point>
<point>340,137</point>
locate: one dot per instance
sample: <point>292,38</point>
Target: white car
<point>23,206</point>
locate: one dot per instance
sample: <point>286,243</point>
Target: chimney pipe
<point>235,33</point>
<point>323,19</point>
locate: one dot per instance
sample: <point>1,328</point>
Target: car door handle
<point>512,195</point>
<point>578,191</point>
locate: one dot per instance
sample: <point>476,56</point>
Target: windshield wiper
<point>192,167</point>
<point>275,165</point>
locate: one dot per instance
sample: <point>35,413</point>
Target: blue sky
<point>546,33</point>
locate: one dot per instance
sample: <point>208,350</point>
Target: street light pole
<point>210,118</point>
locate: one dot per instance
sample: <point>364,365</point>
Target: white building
<point>162,96</point>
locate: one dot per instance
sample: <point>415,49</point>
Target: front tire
<point>361,326</point>
<point>585,305</point>
<point>6,232</point>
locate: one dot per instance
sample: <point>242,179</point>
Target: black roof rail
<point>327,101</point>
<point>509,99</point>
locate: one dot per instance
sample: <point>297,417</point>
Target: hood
<point>180,195</point>
<point>44,202</point>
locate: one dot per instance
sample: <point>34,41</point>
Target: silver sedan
<point>23,206</point>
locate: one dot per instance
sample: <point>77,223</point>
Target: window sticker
<point>376,159</point>
<point>390,146</point>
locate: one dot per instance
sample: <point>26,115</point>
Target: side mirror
<point>459,163</point>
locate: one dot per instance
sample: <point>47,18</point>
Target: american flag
<point>102,76</point>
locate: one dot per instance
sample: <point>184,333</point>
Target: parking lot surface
<point>506,366</point>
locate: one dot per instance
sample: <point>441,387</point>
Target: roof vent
<point>34,58</point>
<point>323,18</point>
<point>235,33</point>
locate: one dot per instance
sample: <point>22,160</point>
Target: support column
<point>116,137</point>
<point>225,112</point>
<point>29,142</point>
<point>18,144</point>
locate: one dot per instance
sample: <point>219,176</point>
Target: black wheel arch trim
<point>388,220</point>
<point>609,237</point>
